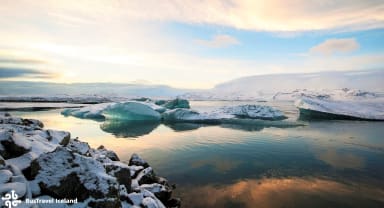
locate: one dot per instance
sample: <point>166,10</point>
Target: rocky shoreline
<point>46,164</point>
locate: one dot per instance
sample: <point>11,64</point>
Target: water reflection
<point>128,128</point>
<point>284,192</point>
<point>218,164</point>
<point>339,159</point>
<point>184,126</point>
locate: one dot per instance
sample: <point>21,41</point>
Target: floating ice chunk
<point>242,111</point>
<point>131,111</point>
<point>254,111</point>
<point>91,111</point>
<point>366,109</point>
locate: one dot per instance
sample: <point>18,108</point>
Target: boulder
<point>66,174</point>
<point>138,161</point>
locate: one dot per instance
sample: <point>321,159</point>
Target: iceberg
<point>130,110</point>
<point>187,115</point>
<point>173,104</point>
<point>254,112</point>
<point>226,112</point>
<point>351,109</point>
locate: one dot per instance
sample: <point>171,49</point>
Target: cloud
<point>219,41</point>
<point>332,46</point>
<point>274,15</point>
<point>20,61</point>
<point>14,72</point>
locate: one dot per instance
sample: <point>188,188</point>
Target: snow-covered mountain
<point>25,89</point>
<point>266,87</point>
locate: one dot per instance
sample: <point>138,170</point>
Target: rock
<point>5,176</point>
<point>146,176</point>
<point>122,173</point>
<point>13,147</point>
<point>60,137</point>
<point>2,162</point>
<point>111,203</point>
<point>162,192</point>
<point>102,152</point>
<point>67,175</point>
<point>138,161</point>
<point>173,203</point>
<point>79,147</point>
<point>69,187</point>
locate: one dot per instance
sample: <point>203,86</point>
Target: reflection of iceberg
<point>128,128</point>
<point>184,126</point>
<point>372,109</point>
<point>256,124</point>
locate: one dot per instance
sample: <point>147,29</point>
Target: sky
<point>185,43</point>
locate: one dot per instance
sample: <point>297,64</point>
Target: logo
<point>11,199</point>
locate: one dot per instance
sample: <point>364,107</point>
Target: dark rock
<point>111,203</point>
<point>2,161</point>
<point>73,172</point>
<point>121,172</point>
<point>123,176</point>
<point>173,203</point>
<point>146,176</point>
<point>108,153</point>
<point>70,187</point>
<point>12,149</point>
<point>138,161</point>
<point>162,192</point>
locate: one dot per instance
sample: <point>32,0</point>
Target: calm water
<point>322,164</point>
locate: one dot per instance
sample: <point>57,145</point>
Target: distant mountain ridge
<point>16,88</point>
<point>266,86</point>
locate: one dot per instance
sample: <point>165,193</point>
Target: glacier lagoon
<point>322,164</point>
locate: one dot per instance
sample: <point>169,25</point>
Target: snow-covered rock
<point>47,164</point>
<point>366,109</point>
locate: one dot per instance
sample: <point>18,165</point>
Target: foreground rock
<point>46,164</point>
<point>355,109</point>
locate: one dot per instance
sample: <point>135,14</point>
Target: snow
<point>337,94</point>
<point>263,87</point>
<point>371,109</point>
<point>5,176</point>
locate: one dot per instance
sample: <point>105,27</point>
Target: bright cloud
<point>331,46</point>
